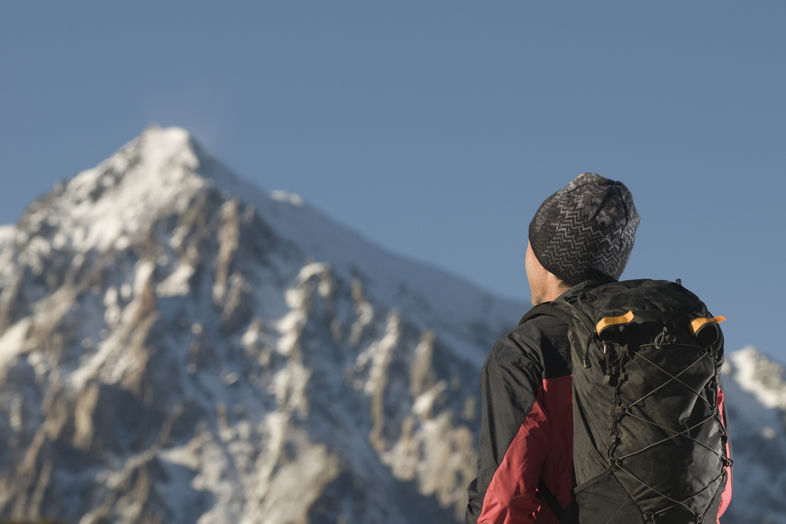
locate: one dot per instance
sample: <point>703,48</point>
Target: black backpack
<point>649,445</point>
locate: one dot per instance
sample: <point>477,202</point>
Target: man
<point>583,232</point>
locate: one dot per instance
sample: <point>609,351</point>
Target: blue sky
<point>437,128</point>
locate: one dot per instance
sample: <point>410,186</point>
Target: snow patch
<point>176,284</point>
<point>7,235</point>
<point>12,342</point>
<point>289,198</point>
<point>760,376</point>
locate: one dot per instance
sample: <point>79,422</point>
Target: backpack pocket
<point>603,500</point>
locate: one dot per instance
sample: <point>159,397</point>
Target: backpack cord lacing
<point>623,410</point>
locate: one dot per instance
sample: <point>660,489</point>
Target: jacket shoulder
<point>541,341</point>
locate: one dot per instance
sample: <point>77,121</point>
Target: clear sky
<point>437,128</point>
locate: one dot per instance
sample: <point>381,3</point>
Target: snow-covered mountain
<point>177,345</point>
<point>756,390</point>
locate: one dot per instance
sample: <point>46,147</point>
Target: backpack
<point>649,443</point>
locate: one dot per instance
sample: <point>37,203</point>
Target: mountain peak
<point>162,146</point>
<point>163,172</point>
<point>158,156</point>
<point>154,174</point>
<point>165,141</point>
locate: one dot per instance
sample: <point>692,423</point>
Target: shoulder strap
<point>550,499</point>
<point>547,308</point>
<point>565,515</point>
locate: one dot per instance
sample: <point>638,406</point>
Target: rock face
<point>178,346</point>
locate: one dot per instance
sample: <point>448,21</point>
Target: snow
<point>158,175</point>
<point>749,365</point>
<point>144,273</point>
<point>425,401</point>
<point>379,354</point>
<point>176,284</point>
<point>12,342</point>
<point>7,233</point>
<point>755,391</point>
<point>107,350</point>
<point>289,327</point>
<point>290,198</point>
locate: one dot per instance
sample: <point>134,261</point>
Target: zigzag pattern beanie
<point>585,230</point>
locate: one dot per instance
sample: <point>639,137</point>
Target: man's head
<point>583,231</point>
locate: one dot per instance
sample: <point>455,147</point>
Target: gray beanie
<point>585,230</point>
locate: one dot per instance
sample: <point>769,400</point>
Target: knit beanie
<point>585,230</point>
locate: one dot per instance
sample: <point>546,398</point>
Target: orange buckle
<point>697,323</point>
<point>613,321</point>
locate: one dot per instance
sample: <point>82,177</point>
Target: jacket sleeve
<point>726,496</point>
<point>513,439</point>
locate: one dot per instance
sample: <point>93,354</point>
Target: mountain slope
<point>177,345</point>
<point>756,389</point>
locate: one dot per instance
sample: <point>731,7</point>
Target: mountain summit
<point>177,345</point>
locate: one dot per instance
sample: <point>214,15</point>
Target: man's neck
<point>552,288</point>
<point>555,292</point>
